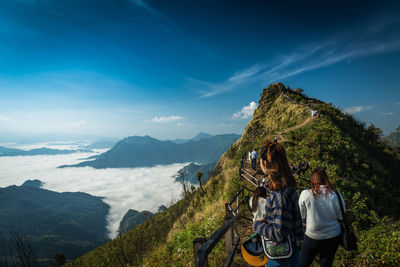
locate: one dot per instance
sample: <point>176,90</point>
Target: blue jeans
<point>292,262</point>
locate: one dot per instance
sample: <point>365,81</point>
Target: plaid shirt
<point>283,216</point>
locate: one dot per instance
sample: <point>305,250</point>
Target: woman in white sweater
<point>257,203</point>
<point>320,210</point>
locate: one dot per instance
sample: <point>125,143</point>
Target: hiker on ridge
<point>320,211</point>
<point>313,113</point>
<point>302,168</point>
<point>253,158</point>
<point>282,222</point>
<point>293,169</point>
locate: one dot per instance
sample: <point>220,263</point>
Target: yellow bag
<point>253,251</point>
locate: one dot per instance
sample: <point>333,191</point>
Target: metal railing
<point>202,247</point>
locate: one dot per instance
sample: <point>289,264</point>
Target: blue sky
<point>170,69</point>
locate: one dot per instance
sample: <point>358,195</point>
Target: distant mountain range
<point>5,151</point>
<point>146,151</point>
<point>198,137</point>
<point>69,223</point>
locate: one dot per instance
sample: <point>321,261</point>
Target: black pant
<point>326,249</point>
<point>253,163</point>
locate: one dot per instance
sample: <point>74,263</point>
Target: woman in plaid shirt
<point>282,210</point>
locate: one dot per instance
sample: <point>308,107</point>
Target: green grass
<point>129,248</point>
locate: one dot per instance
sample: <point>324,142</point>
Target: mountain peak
<point>202,135</point>
<point>33,183</point>
<point>139,140</point>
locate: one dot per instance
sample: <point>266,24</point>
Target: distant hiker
<point>293,169</point>
<point>313,113</point>
<point>302,168</point>
<point>282,223</point>
<point>263,182</point>
<point>320,210</point>
<point>257,203</point>
<point>253,157</point>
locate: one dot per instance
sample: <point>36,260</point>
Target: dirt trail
<point>280,134</point>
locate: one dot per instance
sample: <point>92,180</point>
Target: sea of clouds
<point>122,188</point>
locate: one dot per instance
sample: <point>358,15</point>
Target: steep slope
<point>145,151</point>
<point>361,166</point>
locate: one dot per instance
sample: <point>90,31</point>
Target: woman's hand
<point>262,220</point>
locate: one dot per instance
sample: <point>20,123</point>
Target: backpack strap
<point>341,205</point>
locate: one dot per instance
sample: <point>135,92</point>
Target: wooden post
<point>229,233</point>
<point>197,243</point>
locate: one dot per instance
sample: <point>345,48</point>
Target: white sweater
<point>260,213</point>
<point>321,213</point>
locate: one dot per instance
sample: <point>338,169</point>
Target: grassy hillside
<point>362,167</point>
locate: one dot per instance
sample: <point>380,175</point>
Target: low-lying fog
<point>123,189</point>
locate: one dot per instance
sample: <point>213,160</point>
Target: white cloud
<point>163,119</point>
<point>246,112</point>
<point>357,109</point>
<point>398,103</point>
<point>387,113</point>
<point>123,189</point>
<point>4,118</point>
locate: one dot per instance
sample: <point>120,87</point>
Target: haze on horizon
<point>171,69</point>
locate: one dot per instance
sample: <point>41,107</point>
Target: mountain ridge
<point>146,151</point>
<point>358,163</point>
<point>10,152</point>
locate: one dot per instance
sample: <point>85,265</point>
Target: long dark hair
<point>318,178</point>
<point>278,166</point>
<point>259,192</point>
